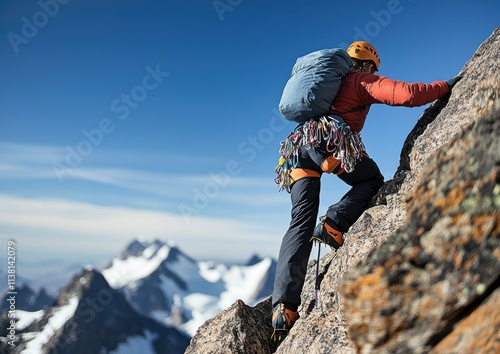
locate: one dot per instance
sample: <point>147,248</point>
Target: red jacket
<point>361,89</point>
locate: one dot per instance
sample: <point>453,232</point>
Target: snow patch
<point>25,318</point>
<point>59,317</point>
<point>150,251</point>
<point>202,308</point>
<point>210,272</point>
<point>137,344</point>
<point>126,271</point>
<point>243,283</point>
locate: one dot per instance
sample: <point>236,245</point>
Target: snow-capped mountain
<point>150,300</point>
<point>162,282</point>
<point>90,317</point>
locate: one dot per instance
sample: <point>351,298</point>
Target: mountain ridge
<point>151,297</point>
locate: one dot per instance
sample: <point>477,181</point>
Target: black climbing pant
<point>365,181</point>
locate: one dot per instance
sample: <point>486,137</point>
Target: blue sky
<point>159,118</point>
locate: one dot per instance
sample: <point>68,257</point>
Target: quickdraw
<point>344,145</point>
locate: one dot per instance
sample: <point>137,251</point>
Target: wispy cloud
<point>227,214</point>
<point>36,161</point>
<point>27,161</point>
<point>88,227</point>
<point>24,153</point>
<point>33,162</point>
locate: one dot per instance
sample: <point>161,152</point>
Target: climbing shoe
<point>325,233</point>
<point>282,321</point>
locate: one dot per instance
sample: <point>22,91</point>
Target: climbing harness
<point>332,131</point>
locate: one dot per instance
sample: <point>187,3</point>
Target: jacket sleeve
<point>379,89</point>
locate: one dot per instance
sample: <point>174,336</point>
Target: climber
<point>360,89</point>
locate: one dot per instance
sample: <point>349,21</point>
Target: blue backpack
<point>315,81</point>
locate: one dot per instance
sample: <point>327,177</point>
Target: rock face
<point>243,329</point>
<point>444,262</point>
<point>419,271</point>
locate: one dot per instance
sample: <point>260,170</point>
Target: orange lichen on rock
<point>477,333</point>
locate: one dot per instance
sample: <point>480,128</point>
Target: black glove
<point>451,82</point>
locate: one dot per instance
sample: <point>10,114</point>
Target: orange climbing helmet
<point>364,51</point>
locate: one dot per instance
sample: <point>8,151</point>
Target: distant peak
<point>86,283</point>
<point>136,247</point>
<point>88,267</point>
<point>254,259</point>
